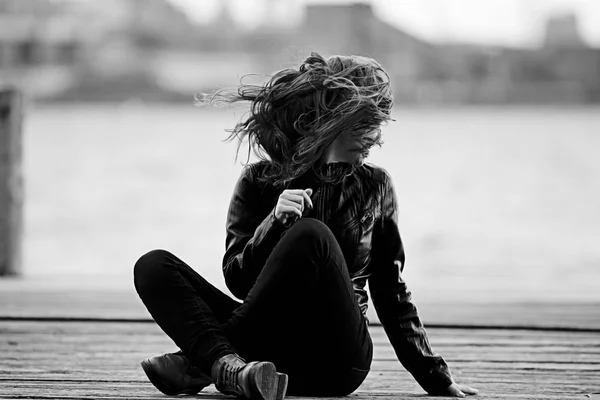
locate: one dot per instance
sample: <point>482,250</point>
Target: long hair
<point>298,113</point>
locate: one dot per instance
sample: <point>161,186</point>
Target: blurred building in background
<point>117,50</point>
<point>40,44</point>
<point>358,31</point>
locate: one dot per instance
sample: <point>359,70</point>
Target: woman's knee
<point>310,230</point>
<point>313,237</point>
<point>150,268</point>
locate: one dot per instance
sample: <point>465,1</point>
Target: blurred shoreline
<point>496,203</point>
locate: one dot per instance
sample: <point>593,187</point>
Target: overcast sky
<point>505,22</point>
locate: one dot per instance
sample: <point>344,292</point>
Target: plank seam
<point>433,326</point>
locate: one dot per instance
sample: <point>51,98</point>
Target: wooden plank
<point>376,386</point>
<point>486,340</point>
<point>101,360</point>
<point>11,185</point>
<point>463,356</point>
<point>450,336</point>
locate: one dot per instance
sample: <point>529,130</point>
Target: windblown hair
<point>298,113</point>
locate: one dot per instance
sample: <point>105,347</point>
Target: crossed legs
<point>301,314</point>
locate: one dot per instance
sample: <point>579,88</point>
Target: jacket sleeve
<point>251,235</point>
<point>392,301</point>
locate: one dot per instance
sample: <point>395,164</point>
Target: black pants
<point>301,314</point>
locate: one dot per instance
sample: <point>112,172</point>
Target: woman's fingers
<point>294,199</point>
<point>298,196</point>
<point>292,203</point>
<point>306,195</point>
<point>286,209</point>
<point>454,391</point>
<point>467,389</point>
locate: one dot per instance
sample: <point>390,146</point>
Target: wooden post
<point>11,182</point>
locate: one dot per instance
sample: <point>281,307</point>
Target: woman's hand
<point>456,390</point>
<point>291,204</point>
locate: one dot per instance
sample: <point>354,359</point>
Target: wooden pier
<point>44,355</point>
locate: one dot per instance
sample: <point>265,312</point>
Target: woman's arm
<point>393,304</point>
<point>252,233</point>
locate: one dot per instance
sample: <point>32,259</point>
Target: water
<point>495,204</point>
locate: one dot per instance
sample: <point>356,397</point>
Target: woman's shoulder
<point>256,172</point>
<point>256,169</point>
<point>377,173</point>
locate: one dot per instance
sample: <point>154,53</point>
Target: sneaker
<point>173,374</point>
<point>252,381</point>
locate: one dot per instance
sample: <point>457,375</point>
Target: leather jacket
<point>359,205</point>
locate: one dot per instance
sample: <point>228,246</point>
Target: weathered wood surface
<point>58,360</point>
<point>11,186</point>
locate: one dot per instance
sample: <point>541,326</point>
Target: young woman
<point>307,228</point>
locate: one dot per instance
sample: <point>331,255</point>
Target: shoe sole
<point>266,383</point>
<point>157,381</point>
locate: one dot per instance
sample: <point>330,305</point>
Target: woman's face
<point>350,149</point>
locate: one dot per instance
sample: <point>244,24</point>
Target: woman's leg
<point>187,307</point>
<point>302,314</point>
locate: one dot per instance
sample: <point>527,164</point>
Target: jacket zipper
<point>366,216</point>
<point>324,196</point>
<point>323,201</point>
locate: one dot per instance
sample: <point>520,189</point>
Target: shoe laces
<point>228,374</point>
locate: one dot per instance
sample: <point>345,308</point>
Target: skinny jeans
<point>301,314</point>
